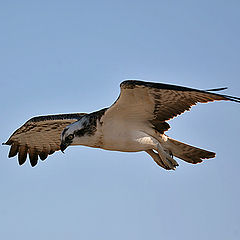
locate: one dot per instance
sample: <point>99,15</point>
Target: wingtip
<point>33,162</point>
<point>20,163</point>
<point>8,142</point>
<point>217,89</point>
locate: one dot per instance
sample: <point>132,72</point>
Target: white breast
<point>125,137</point>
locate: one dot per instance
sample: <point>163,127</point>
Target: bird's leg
<point>162,156</point>
<point>166,157</point>
<point>157,159</point>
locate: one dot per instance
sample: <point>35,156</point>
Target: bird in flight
<point>136,121</point>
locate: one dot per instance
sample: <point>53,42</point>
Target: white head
<point>78,133</point>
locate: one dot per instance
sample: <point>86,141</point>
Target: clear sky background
<point>70,56</point>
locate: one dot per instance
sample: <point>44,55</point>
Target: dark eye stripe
<point>80,132</point>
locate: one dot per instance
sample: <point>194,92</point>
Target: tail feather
<point>189,153</point>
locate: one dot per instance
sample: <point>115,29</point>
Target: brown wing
<point>157,102</point>
<point>39,136</point>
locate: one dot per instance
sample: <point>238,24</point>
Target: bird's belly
<point>128,141</point>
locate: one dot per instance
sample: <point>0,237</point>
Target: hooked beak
<point>63,146</point>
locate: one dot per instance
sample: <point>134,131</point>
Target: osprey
<point>136,121</point>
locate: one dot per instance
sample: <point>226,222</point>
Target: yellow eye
<point>70,137</point>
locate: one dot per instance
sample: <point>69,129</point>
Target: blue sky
<point>70,56</point>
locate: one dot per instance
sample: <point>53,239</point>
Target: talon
<point>157,159</point>
<point>166,157</point>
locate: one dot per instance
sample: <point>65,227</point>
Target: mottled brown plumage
<point>39,136</point>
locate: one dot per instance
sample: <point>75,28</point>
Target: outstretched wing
<point>39,136</point>
<point>157,102</point>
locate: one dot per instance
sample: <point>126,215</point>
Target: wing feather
<point>33,156</point>
<point>39,137</point>
<point>22,154</point>
<point>13,150</point>
<point>158,103</point>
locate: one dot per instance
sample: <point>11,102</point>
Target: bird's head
<point>77,133</point>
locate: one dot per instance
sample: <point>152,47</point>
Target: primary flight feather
<point>136,121</point>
